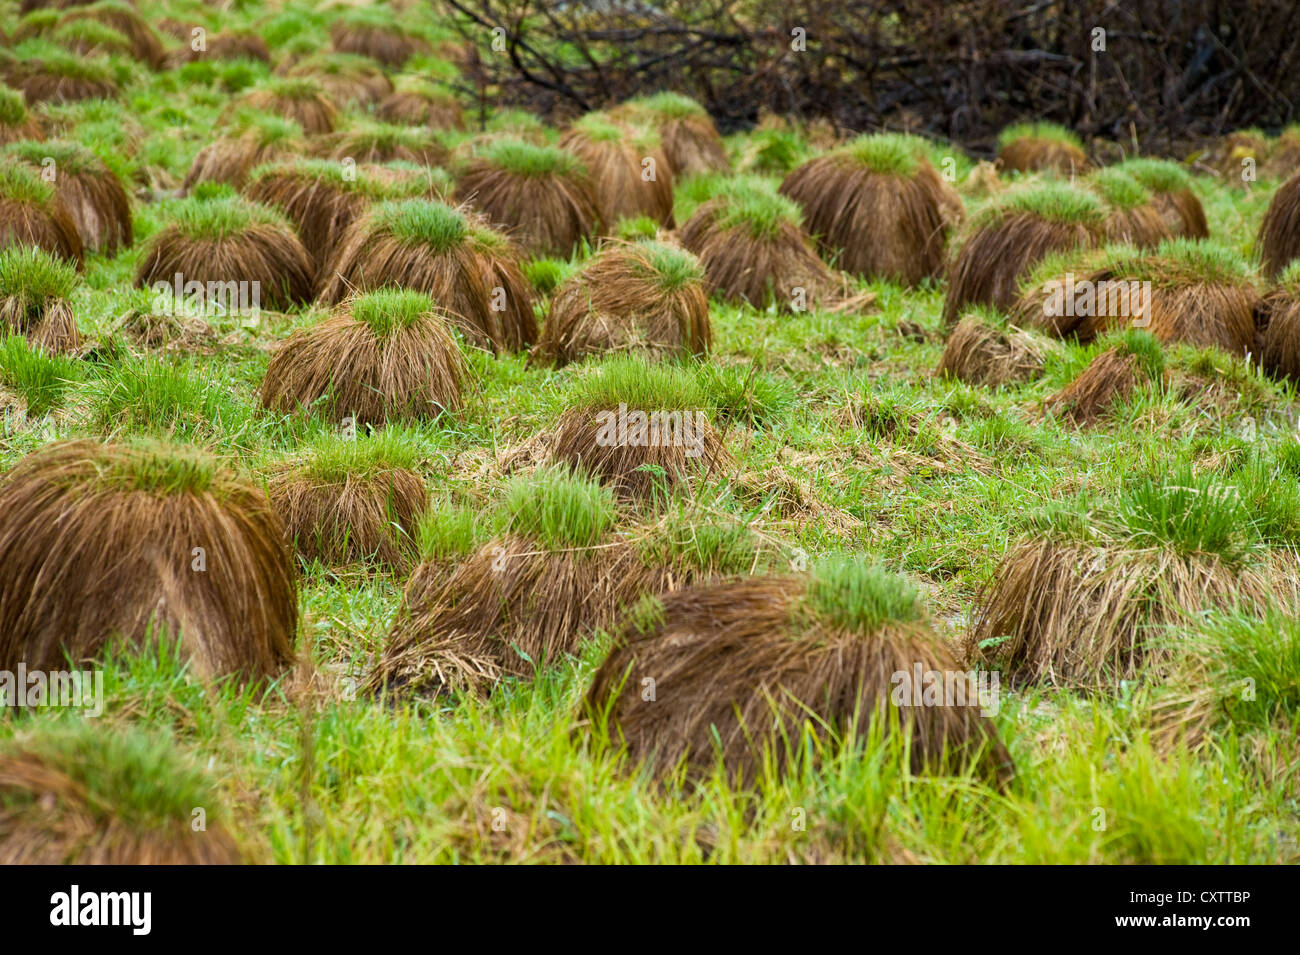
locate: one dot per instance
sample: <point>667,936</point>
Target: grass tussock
<point>141,542</point>
<point>732,673</point>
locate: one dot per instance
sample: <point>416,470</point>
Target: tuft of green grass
<point>221,216</point>
<point>522,158</point>
<point>559,508</point>
<point>668,105</point>
<point>267,129</point>
<point>744,395</point>
<point>35,277</point>
<point>331,458</point>
<point>639,383</point>
<point>547,275</point>
<point>776,151</point>
<point>1057,202</point>
<point>13,106</point>
<point>598,127</point>
<point>859,596</point>
<point>1189,513</point>
<point>1254,665</point>
<point>161,469</point>
<point>449,530</point>
<point>387,311</point>
<point>1040,130</point>
<point>20,183</point>
<point>68,157</point>
<point>41,380</point>
<point>757,210</point>
<point>1146,348</point>
<point>1158,175</point>
<point>671,267</point>
<point>887,154</point>
<point>434,225</point>
<point>155,398</point>
<point>683,541</point>
<point>1119,188</point>
<point>636,228</point>
<point>131,776</point>
<point>94,34</point>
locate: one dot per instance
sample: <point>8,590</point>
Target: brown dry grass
<point>1277,342</point>
<point>616,179</point>
<point>1182,213</point>
<point>634,471</point>
<point>1279,232</point>
<point>1141,226</point>
<point>144,43</point>
<point>741,667</point>
<point>616,303</point>
<point>1080,614</point>
<point>417,108</point>
<point>460,279</point>
<point>51,326</point>
<point>742,267</point>
<point>1198,313</point>
<point>992,262</point>
<point>547,215</point>
<point>98,205</point>
<point>40,86</point>
<point>89,557</point>
<point>1031,155</point>
<point>358,84</point>
<point>391,47</point>
<point>267,254</point>
<point>315,113</point>
<point>507,608</point>
<point>341,368</point>
<point>29,128</point>
<point>872,224</point>
<point>1109,378</point>
<point>49,227</point>
<point>365,517</point>
<point>319,209</point>
<point>231,158</point>
<point>363,145</point>
<point>220,46</point>
<point>980,354</point>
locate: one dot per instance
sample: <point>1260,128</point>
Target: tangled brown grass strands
<point>992,262</point>
<point>739,669</point>
<point>474,275</point>
<point>620,302</point>
<point>368,517</point>
<point>510,606</point>
<point>343,368</point>
<point>663,451</point>
<point>1279,231</point>
<point>128,543</point>
<point>979,353</point>
<point>1087,615</point>
<point>618,177</point>
<point>551,214</point>
<point>766,270</point>
<point>875,224</point>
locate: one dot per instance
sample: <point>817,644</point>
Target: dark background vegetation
<point>1173,71</point>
